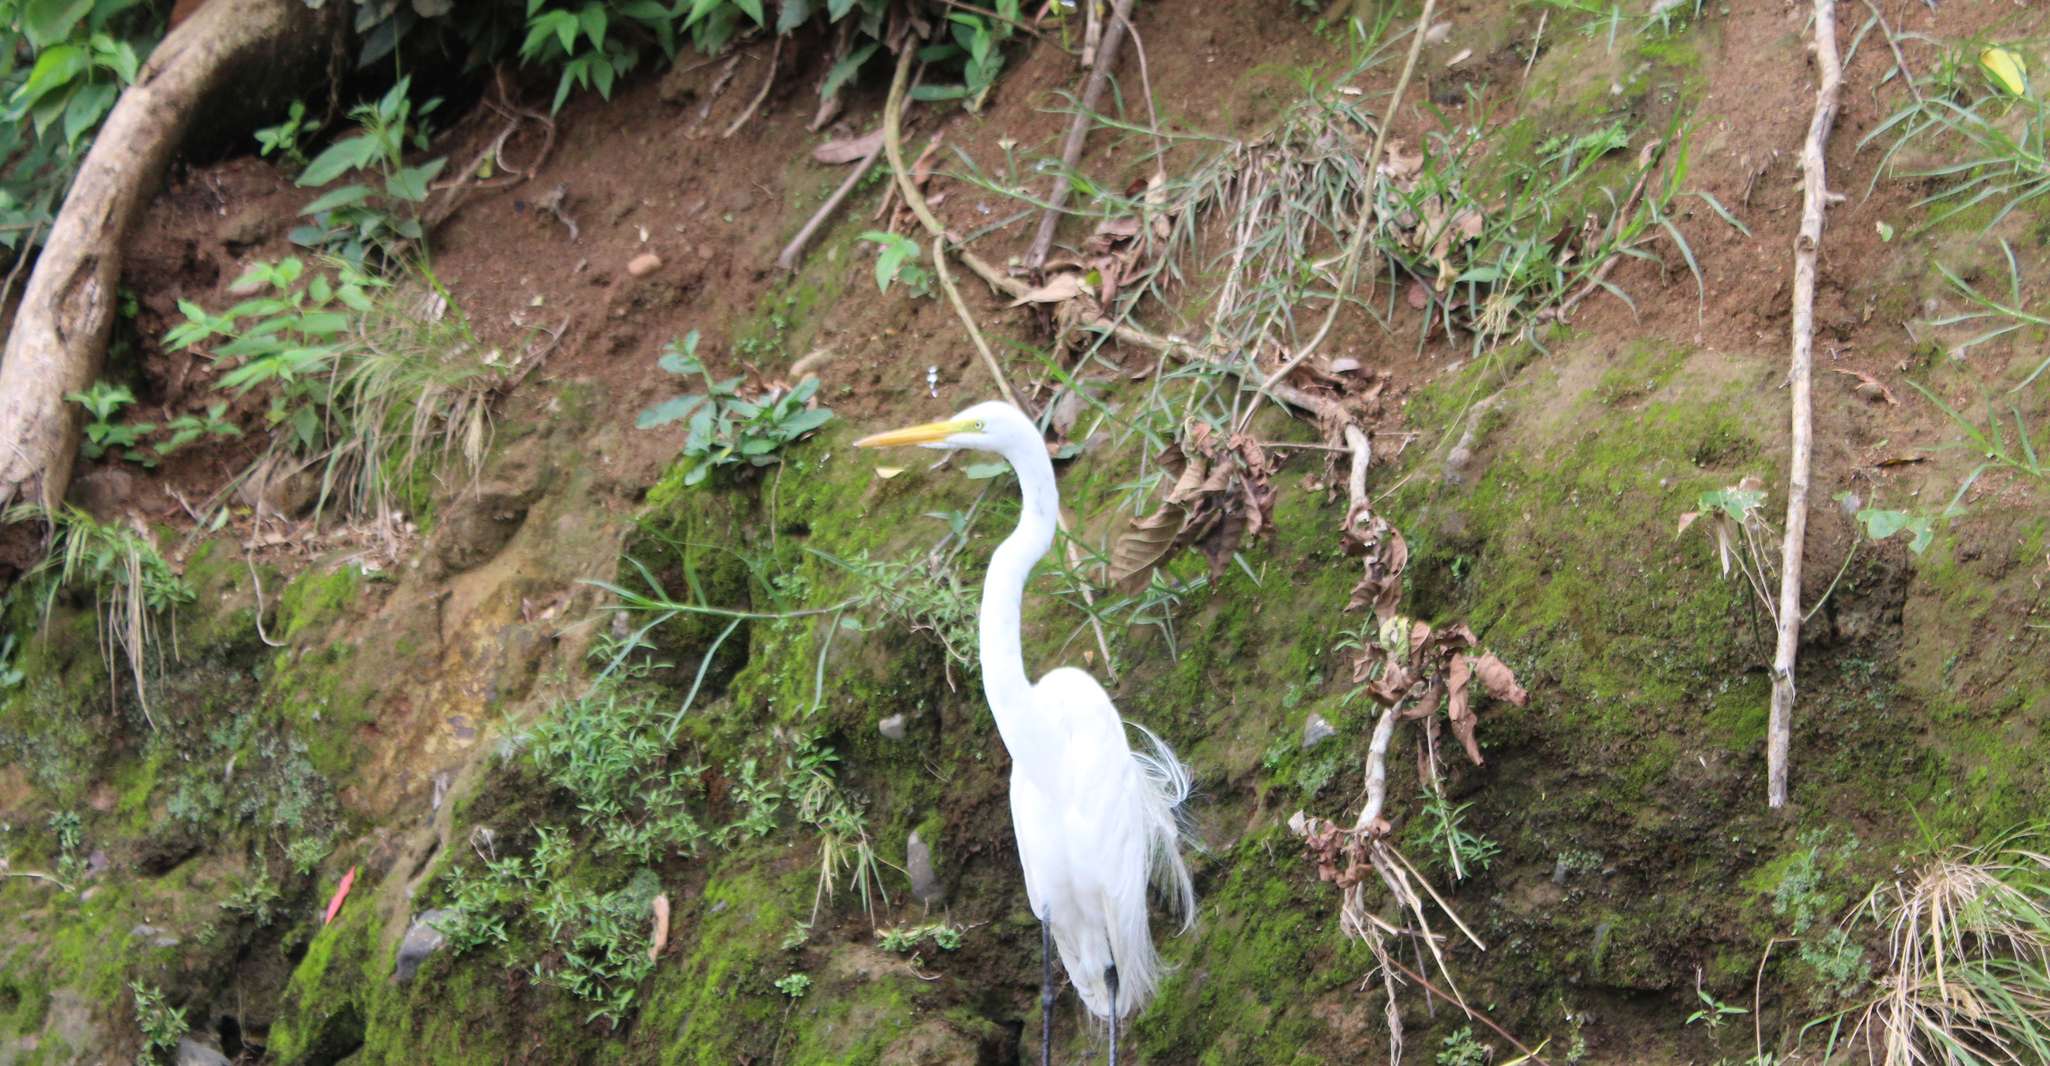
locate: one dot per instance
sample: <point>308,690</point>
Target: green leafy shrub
<point>63,63</point>
<point>367,378</point>
<point>161,1024</point>
<point>726,429</point>
<point>596,43</point>
<point>379,212</point>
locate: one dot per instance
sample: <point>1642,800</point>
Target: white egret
<point>1095,820</point>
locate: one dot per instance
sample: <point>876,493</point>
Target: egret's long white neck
<point>1003,590</point>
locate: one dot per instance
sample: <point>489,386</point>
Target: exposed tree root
<point>59,339</point>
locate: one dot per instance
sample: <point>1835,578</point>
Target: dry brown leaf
<point>1058,289</point>
<point>660,937</point>
<point>1499,680</point>
<point>1869,388</point>
<point>847,150</point>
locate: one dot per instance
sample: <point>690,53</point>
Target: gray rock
<point>925,884</point>
<point>156,937</point>
<point>193,1053</point>
<point>1316,731</point>
<point>422,939</point>
<point>892,727</point>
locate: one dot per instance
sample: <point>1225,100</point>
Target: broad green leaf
<point>339,158</point>
<point>848,66</point>
<point>592,18</point>
<point>794,13</point>
<point>353,297</point>
<point>805,421</point>
<point>54,69</point>
<point>984,471</point>
<point>345,196</point>
<point>678,363</point>
<point>668,411</point>
<point>45,22</point>
<point>410,183</point>
<point>87,107</point>
<point>753,9</point>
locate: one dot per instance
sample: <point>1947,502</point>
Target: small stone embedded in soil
<point>644,264</point>
<point>422,940</point>
<point>925,885</point>
<point>892,727</point>
<point>193,1053</point>
<point>1316,731</point>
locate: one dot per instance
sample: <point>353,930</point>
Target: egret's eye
<point>981,426</point>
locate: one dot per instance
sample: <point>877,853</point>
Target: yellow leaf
<point>2006,69</point>
<point>888,472</point>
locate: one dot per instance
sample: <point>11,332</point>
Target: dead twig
<point>1329,410</point>
<point>793,253</point>
<point>768,81</point>
<point>1899,61</point>
<point>1078,131</point>
<point>1471,1013</point>
<point>1814,201</point>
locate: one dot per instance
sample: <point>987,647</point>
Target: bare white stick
<point>1814,199</point>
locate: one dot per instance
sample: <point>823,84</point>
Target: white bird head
<point>993,426</point>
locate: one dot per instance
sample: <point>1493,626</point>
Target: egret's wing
<point>1040,849</point>
<point>1116,817</point>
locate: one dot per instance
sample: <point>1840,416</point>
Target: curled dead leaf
<point>1058,289</point>
<point>848,150</point>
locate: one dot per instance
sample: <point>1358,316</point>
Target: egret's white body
<point>1095,820</point>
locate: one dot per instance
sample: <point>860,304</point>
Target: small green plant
<point>609,752</point>
<point>306,853</point>
<point>905,939</point>
<point>795,985</point>
<point>724,428</point>
<point>897,259</point>
<point>368,379</point>
<point>1714,1013</point>
<point>62,66</point>
<point>283,138</point>
<point>162,1024</point>
<point>1462,1048</point>
<point>10,675</point>
<point>131,583</point>
<point>105,433</point>
<point>1439,831</point>
<point>255,900</point>
<point>842,826</point>
<point>586,40</point>
<point>600,946</point>
<point>380,213</point>
<point>976,40</point>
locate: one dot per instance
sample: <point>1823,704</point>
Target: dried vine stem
<point>1329,412</point>
<point>1078,131</point>
<point>1366,221</point>
<point>1814,200</point>
<point>793,253</point>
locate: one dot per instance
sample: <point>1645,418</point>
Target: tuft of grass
<point>1968,946</point>
<point>1989,146</point>
<point>131,583</point>
<point>371,380</point>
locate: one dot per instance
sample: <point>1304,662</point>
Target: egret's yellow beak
<point>929,433</point>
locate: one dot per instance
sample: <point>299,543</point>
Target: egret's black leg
<point>1110,974</point>
<point>1045,994</point>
